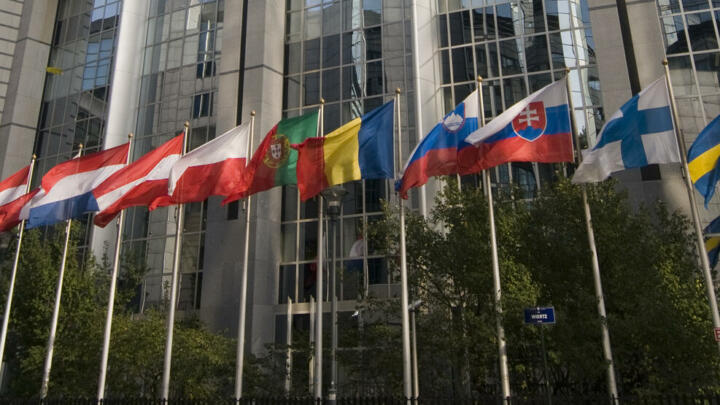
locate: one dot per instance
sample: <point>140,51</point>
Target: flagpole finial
<point>252,113</point>
<point>187,124</point>
<point>80,146</point>
<point>479,79</point>
<point>665,62</point>
<point>398,91</point>
<point>34,156</point>
<point>322,101</point>
<point>131,135</point>
<point>567,70</point>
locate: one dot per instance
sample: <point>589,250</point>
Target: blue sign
<point>539,315</point>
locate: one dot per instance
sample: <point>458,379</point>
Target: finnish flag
<point>639,134</point>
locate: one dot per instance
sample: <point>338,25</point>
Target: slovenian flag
<point>437,153</point>
<point>13,198</point>
<point>215,168</point>
<point>360,149</point>
<point>66,190</point>
<point>142,183</point>
<point>536,129</point>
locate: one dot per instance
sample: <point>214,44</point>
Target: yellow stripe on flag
<point>704,163</point>
<point>340,150</point>
<point>711,244</point>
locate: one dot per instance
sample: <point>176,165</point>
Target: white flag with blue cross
<point>640,133</point>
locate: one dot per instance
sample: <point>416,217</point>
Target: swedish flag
<point>703,160</point>
<point>712,243</point>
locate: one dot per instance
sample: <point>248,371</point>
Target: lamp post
<point>333,196</point>
<point>412,309</point>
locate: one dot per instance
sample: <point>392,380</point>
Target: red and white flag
<point>214,168</point>
<point>144,182</point>
<point>13,198</point>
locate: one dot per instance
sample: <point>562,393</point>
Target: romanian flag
<point>703,158</point>
<point>274,163</point>
<point>360,149</point>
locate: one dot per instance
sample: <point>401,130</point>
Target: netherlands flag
<point>437,153</point>
<point>66,190</point>
<point>144,182</point>
<point>536,129</point>
<point>215,168</point>
<point>13,198</point>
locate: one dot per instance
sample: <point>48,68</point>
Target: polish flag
<point>144,182</point>
<point>13,198</point>
<point>67,189</point>
<point>214,168</point>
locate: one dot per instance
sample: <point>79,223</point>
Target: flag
<point>712,243</point>
<point>274,163</point>
<point>144,182</point>
<point>215,168</point>
<point>66,190</point>
<point>640,133</point>
<point>536,129</point>
<point>360,149</point>
<point>703,160</point>
<point>13,198</point>
<point>437,153</point>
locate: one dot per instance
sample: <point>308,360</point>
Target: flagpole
<point>13,273</point>
<point>173,286</point>
<point>111,296</point>
<point>407,377</point>
<point>56,309</point>
<point>240,356</point>
<point>502,345</point>
<point>709,283</point>
<point>418,99</point>
<point>319,281</point>
<point>599,296</point>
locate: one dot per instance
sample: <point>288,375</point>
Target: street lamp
<point>416,388</point>
<point>333,196</point>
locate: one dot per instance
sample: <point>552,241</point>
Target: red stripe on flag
<point>311,167</point>
<point>114,156</point>
<point>152,193</point>
<point>10,213</point>
<point>200,182</point>
<point>18,179</point>
<point>436,162</point>
<point>546,149</point>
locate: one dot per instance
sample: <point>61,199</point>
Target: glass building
<point>116,66</point>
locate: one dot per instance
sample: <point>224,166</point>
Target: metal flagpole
<point>240,355</point>
<point>709,283</point>
<point>13,273</point>
<point>111,297</point>
<point>173,286</point>
<point>56,309</point>
<point>407,367</point>
<point>319,281</point>
<point>607,349</point>
<point>418,99</point>
<point>502,345</point>
<point>288,342</point>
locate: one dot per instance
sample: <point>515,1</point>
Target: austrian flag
<point>215,168</point>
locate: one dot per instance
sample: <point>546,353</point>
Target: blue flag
<point>712,244</point>
<point>703,160</point>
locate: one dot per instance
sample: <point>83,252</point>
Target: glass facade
<point>75,98</point>
<point>181,52</point>
<point>353,54</point>
<point>518,47</point>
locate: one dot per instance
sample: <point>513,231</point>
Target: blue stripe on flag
<point>375,143</point>
<point>53,213</point>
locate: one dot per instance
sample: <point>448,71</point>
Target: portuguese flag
<point>274,162</point>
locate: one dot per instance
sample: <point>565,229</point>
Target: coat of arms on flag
<point>278,152</point>
<point>530,123</point>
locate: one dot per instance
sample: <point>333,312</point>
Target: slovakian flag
<point>13,198</point>
<point>142,183</point>
<point>436,154</point>
<point>274,162</point>
<point>215,168</point>
<point>360,149</point>
<point>536,129</point>
<point>67,189</point>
